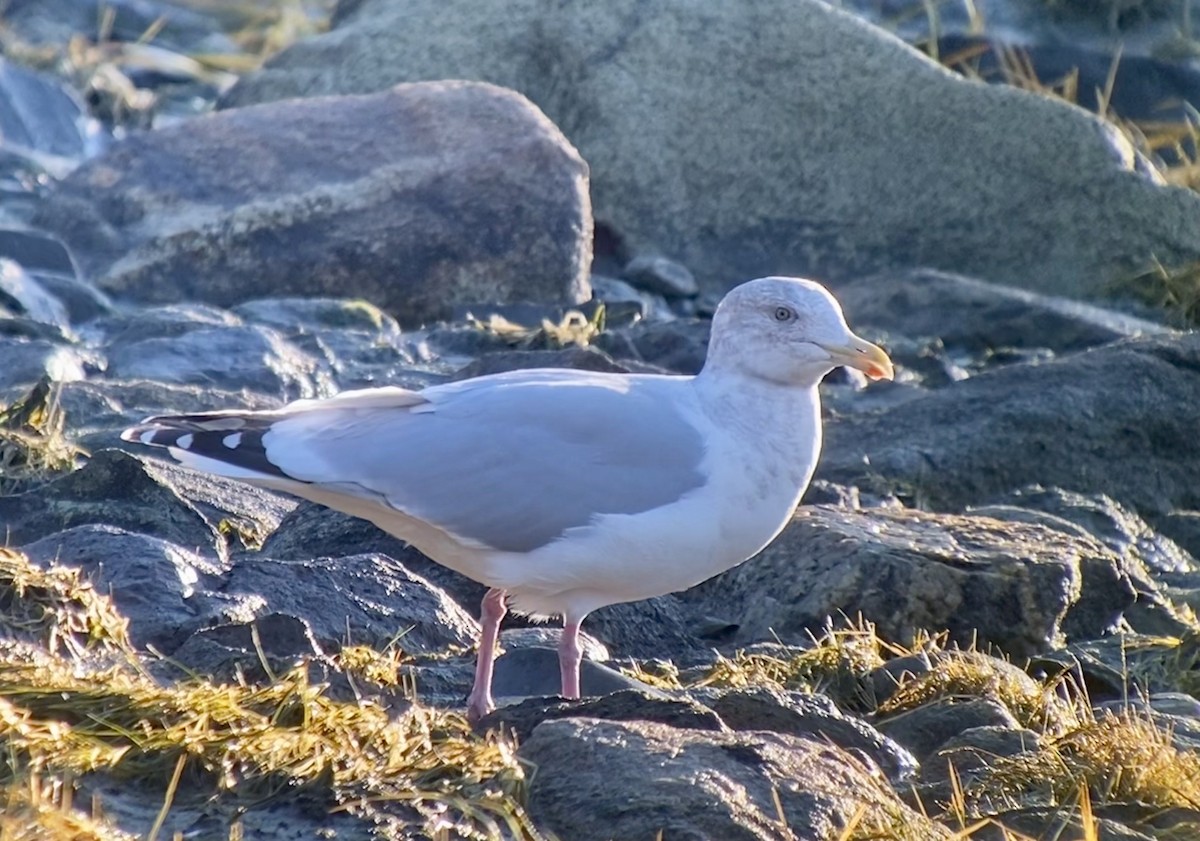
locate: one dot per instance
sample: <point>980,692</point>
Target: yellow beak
<point>866,357</point>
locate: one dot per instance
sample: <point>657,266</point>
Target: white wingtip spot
<point>232,441</point>
<point>184,442</point>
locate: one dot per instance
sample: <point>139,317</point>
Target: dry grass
<point>104,69</point>
<point>1117,758</point>
<point>264,27</point>
<point>61,718</point>
<point>39,811</point>
<point>1175,290</point>
<point>574,328</point>
<point>977,675</point>
<point>381,668</point>
<point>836,664</point>
<point>1084,764</point>
<point>252,740</point>
<point>56,609</point>
<point>34,446</point>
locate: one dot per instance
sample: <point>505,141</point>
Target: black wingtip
<point>226,438</point>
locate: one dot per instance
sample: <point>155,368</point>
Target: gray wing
<point>511,462</point>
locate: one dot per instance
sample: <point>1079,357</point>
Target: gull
<point>564,491</point>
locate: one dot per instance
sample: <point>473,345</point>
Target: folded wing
<point>510,462</point>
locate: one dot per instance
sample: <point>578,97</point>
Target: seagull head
<point>790,331</point>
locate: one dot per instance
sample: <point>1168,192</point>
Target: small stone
<point>661,276</point>
<point>926,728</point>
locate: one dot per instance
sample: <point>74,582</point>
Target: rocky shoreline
<point>981,623</point>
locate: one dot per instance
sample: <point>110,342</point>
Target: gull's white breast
<point>757,467</point>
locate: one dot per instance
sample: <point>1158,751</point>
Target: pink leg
<point>569,657</point>
<point>493,609</point>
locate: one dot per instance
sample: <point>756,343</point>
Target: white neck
<point>784,420</point>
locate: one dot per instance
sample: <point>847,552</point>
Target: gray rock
<point>973,315</point>
<point>722,143</point>
<point>662,276</point>
<point>53,22</point>
<point>969,753</point>
<point>236,650</point>
<point>113,489</point>
<point>362,599</point>
<point>314,531</point>
<point>82,300</point>
<point>151,497</point>
<point>976,748</point>
<point>42,120</point>
<point>356,360</point>
<point>1132,589</point>
<point>623,705</point>
<point>22,294</point>
<point>983,580</point>
<point>886,679</point>
<point>1183,527</point>
<point>607,779</point>
<point>134,806</point>
<point>154,584</point>
<point>138,324</point>
<point>623,305</point>
<point>534,673</point>
<point>98,409</point>
<point>1055,822</point>
<point>417,199</point>
<point>1113,524</point>
<point>28,360</point>
<point>36,251</point>
<point>246,358</point>
<point>1109,583</point>
<point>662,627</point>
<point>294,316</point>
<point>677,346</point>
<point>579,358</point>
<point>1126,665</point>
<point>1118,420</point>
<point>924,729</point>
<point>810,715</point>
<point>547,636</point>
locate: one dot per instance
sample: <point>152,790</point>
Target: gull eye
<point>784,314</point>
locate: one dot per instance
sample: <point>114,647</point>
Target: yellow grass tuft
<point>41,811</point>
<point>56,609</point>
<point>1116,758</point>
<point>33,443</point>
<point>574,328</point>
<point>836,663</point>
<point>381,668</point>
<point>974,674</point>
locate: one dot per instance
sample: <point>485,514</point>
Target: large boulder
<point>418,199</point>
<point>1118,420</point>
<point>637,779</point>
<point>985,581</point>
<point>970,315</point>
<point>780,136</point>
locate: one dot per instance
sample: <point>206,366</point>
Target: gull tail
<point>225,443</point>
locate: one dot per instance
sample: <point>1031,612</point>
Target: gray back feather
<point>510,462</point>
